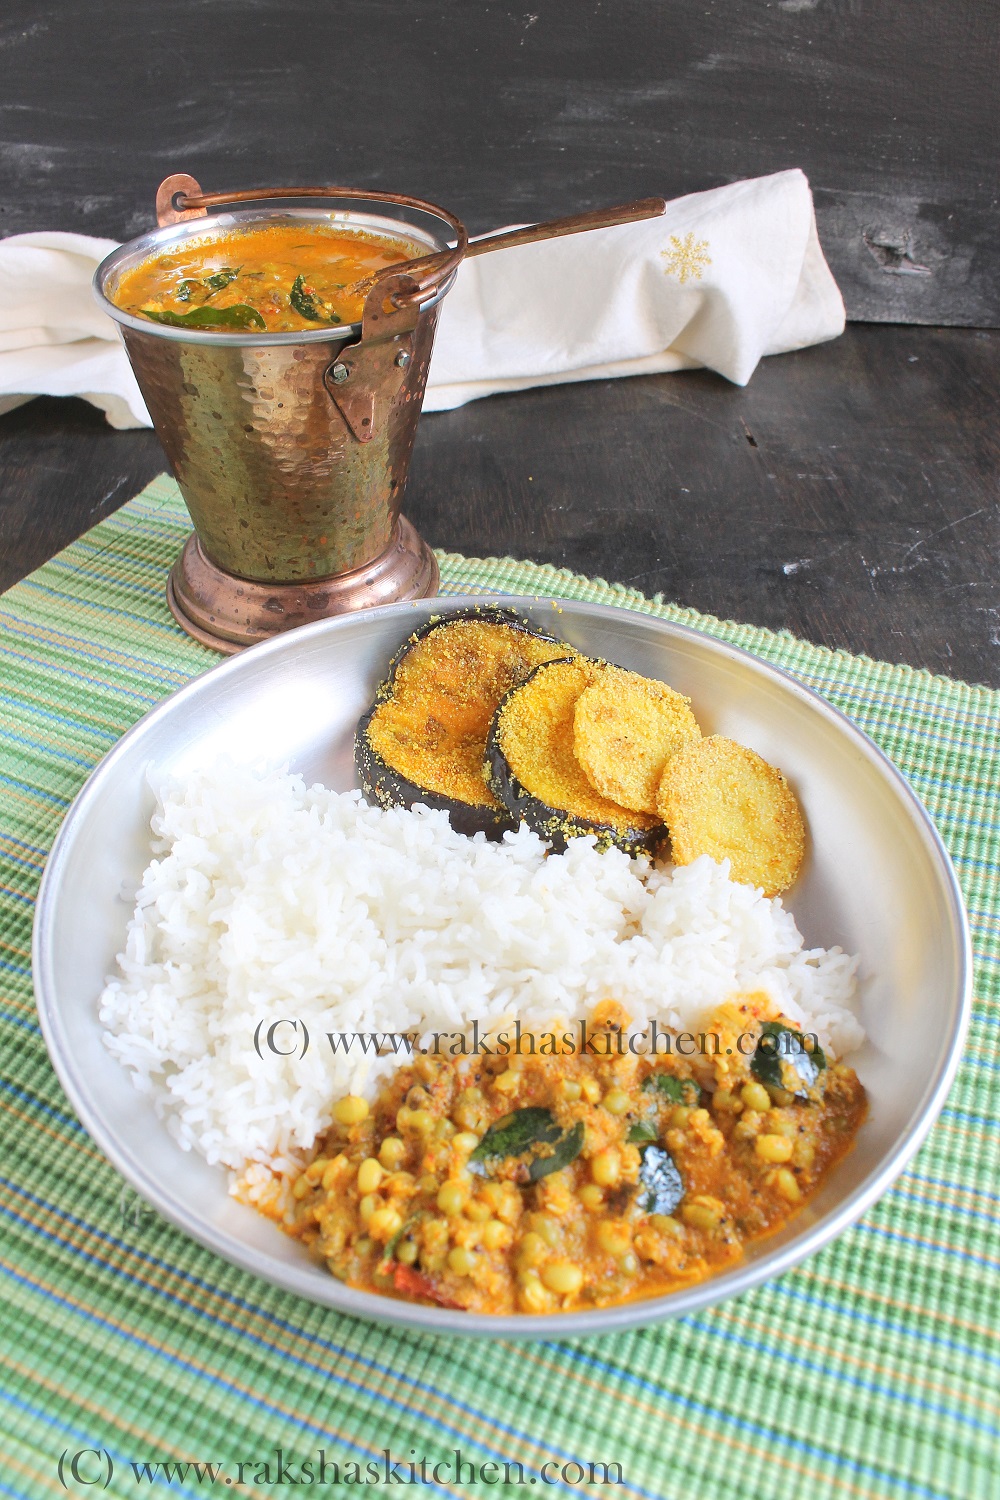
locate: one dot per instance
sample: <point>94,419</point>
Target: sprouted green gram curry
<point>538,1184</point>
<point>273,278</point>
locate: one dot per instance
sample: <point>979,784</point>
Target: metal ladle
<point>598,218</point>
<point>180,197</point>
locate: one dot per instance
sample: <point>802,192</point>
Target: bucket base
<point>229,613</point>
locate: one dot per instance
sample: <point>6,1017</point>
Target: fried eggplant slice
<point>625,729</point>
<point>719,798</point>
<point>424,738</point>
<point>533,771</point>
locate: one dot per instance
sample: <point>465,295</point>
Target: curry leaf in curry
<point>516,1133</point>
<point>785,1059</point>
<point>641,1131</point>
<point>404,1232</point>
<point>677,1090</point>
<point>566,1149</point>
<point>222,278</point>
<point>661,1186</point>
<point>527,1130</point>
<point>307,305</point>
<point>191,285</point>
<point>239,316</point>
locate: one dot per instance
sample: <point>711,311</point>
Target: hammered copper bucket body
<point>291,449</point>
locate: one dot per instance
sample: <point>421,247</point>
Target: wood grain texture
<point>848,494</point>
<point>63,469</point>
<point>511,115</point>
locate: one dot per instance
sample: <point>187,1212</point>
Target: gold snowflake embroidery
<point>686,258</point>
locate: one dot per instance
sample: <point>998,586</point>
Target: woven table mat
<point>873,1370</point>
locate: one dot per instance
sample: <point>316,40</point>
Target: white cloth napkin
<point>721,279</point>
<point>54,339</point>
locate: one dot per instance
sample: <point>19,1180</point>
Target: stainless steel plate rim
<point>441,1320</point>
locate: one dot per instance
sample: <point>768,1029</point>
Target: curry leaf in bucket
<point>306,304</point>
<point>521,1132</point>
<point>239,316</point>
<point>661,1186</point>
<point>211,284</point>
<point>781,1051</point>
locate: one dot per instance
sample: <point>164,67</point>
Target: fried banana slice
<point>719,798</point>
<point>625,728</point>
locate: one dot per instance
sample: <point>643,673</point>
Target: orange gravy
<point>273,278</point>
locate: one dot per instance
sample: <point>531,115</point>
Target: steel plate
<point>877,880</point>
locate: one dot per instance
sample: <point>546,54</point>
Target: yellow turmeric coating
<point>432,728</point>
<point>625,728</point>
<point>536,738</point>
<point>721,799</point>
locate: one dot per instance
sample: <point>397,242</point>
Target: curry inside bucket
<point>283,355</point>
<point>277,277</point>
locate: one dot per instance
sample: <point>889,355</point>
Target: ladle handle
<point>597,218</point>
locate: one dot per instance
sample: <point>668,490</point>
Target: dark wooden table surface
<point>849,494</point>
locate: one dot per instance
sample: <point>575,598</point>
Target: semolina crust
<point>625,729</point>
<point>721,799</point>
<point>535,736</point>
<point>432,728</point>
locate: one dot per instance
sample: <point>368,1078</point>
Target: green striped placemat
<point>871,1371</point>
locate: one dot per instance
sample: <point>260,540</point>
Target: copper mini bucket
<point>292,449</point>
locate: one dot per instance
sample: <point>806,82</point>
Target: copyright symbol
<point>86,1466</point>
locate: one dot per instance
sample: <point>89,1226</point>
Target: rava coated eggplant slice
<point>534,773</point>
<point>424,738</point>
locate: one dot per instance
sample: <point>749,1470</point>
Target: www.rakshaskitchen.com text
<point>288,1037</point>
<point>94,1468</point>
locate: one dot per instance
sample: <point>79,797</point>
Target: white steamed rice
<point>269,900</point>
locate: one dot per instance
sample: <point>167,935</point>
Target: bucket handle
<point>180,197</point>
